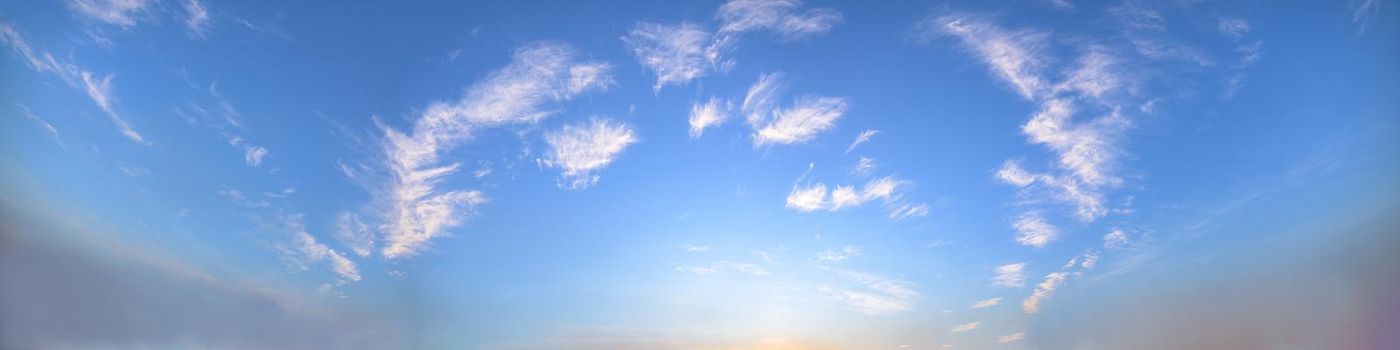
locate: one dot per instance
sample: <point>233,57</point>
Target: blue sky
<point>699,174</point>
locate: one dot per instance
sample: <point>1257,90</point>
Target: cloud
<point>1013,337</point>
<point>1032,231</point>
<point>677,54</point>
<point>863,166</point>
<point>807,199</point>
<point>1086,150</point>
<point>802,122</point>
<point>1014,56</point>
<point>986,303</point>
<point>696,248</point>
<point>1235,28</point>
<point>115,12</point>
<point>863,137</point>
<point>304,249</point>
<point>1043,290</point>
<point>724,266</point>
<point>908,210</point>
<point>238,198</point>
<point>1010,275</point>
<point>254,155</point>
<point>965,327</point>
<point>712,113</point>
<point>1115,238</point>
<point>197,24</point>
<point>1012,173</point>
<point>581,149</point>
<point>762,98</point>
<point>846,252</point>
<point>97,89</point>
<point>871,294</point>
<point>782,17</point>
<point>355,234</point>
<point>49,130</point>
<point>1362,12</point>
<point>538,77</point>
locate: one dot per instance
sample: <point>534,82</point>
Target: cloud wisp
<point>525,91</point>
<point>98,89</point>
<point>579,150</point>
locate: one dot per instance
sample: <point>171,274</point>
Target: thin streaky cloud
<point>1033,231</point>
<point>986,303</point>
<point>1043,290</point>
<point>862,138</point>
<point>965,327</point>
<point>123,13</point>
<point>676,54</point>
<point>197,21</point>
<point>801,122</point>
<point>782,17</point>
<point>706,115</point>
<point>1013,337</point>
<point>97,89</point>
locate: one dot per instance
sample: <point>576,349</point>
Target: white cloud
<point>539,76</point>
<point>965,327</point>
<point>1010,275</point>
<point>1235,28</point>
<point>1086,150</point>
<point>696,248</point>
<point>1032,231</point>
<point>1012,173</point>
<point>253,155</point>
<point>908,210</point>
<point>723,266</point>
<point>97,89</point>
<point>238,198</point>
<point>783,17</point>
<point>846,252</point>
<point>355,234</point>
<point>864,166</point>
<point>1014,56</point>
<point>802,122</point>
<point>807,199</point>
<point>1115,238</point>
<point>1011,337</point>
<point>863,137</point>
<point>197,24</point>
<point>986,303</point>
<point>1362,12</point>
<point>762,98</point>
<point>1091,258</point>
<point>116,12</point>
<point>51,131</point>
<point>709,114</point>
<point>677,54</point>
<point>873,295</point>
<point>845,196</point>
<point>579,150</point>
<point>1043,290</point>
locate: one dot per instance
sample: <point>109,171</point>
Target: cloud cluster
<point>799,123</point>
<point>890,191</point>
<point>523,92</point>
<point>683,52</point>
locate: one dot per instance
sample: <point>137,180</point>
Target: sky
<point>740,174</point>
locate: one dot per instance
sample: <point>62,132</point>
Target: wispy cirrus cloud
<point>1363,12</point>
<point>965,327</point>
<point>840,255</point>
<point>301,249</point>
<point>676,53</point>
<point>1013,337</point>
<point>986,303</point>
<point>98,89</point>
<point>123,13</point>
<point>525,91</point>
<point>802,122</point>
<point>862,138</point>
<point>872,294</point>
<point>783,17</point>
<point>197,20</point>
<point>723,266</point>
<point>706,115</point>
<point>579,150</point>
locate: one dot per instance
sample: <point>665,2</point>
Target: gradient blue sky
<point>699,174</point>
